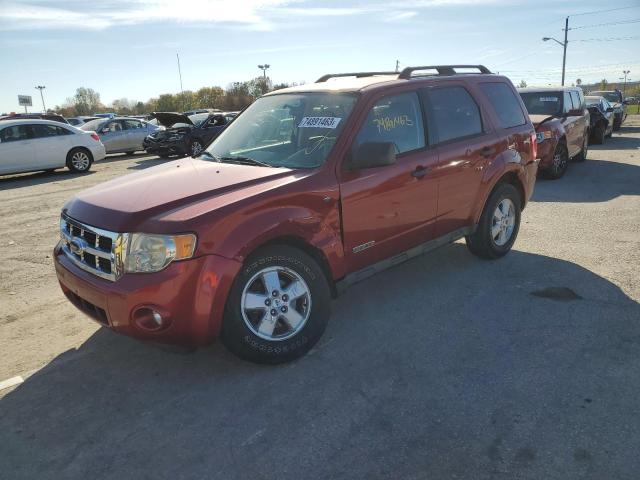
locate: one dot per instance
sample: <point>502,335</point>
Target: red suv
<point>310,189</point>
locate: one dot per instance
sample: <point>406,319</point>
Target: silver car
<point>121,134</point>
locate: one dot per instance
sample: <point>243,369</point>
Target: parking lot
<point>444,367</point>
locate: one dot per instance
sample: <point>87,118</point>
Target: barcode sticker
<point>319,122</point>
<point>548,99</point>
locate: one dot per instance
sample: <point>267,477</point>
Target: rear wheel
<point>278,306</point>
<point>499,224</point>
<point>582,156</point>
<point>79,160</point>
<point>560,162</point>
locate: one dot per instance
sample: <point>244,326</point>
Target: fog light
<point>151,319</point>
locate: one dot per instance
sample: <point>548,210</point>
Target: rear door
<point>136,132</point>
<point>389,209</point>
<point>50,145</point>
<point>571,125</point>
<point>465,142</point>
<point>16,149</point>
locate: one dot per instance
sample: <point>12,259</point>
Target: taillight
<point>534,146</point>
<point>95,136</point>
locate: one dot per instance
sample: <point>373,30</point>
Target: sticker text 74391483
<point>319,122</point>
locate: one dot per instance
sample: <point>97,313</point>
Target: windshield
<point>591,101</point>
<point>286,130</point>
<point>92,125</point>
<point>611,96</point>
<point>542,103</point>
<point>197,119</point>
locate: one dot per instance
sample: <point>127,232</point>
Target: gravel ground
<point>444,367</point>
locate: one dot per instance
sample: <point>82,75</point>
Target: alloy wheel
<point>196,148</point>
<point>503,222</point>
<point>80,161</point>
<point>276,303</point>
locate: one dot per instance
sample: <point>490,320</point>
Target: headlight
<point>151,253</point>
<point>542,136</point>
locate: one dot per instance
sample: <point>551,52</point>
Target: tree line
<point>236,96</point>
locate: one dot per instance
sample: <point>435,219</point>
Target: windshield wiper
<point>244,161</point>
<point>206,154</point>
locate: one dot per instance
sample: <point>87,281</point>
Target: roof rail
<point>326,77</point>
<point>441,69</point>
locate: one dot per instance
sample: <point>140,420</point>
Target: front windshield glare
<point>286,130</point>
<point>542,103</point>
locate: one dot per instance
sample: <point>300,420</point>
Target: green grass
<point>633,109</point>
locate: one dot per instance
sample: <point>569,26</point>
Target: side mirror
<point>610,109</point>
<point>372,154</point>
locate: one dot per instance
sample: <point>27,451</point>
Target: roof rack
<point>441,69</point>
<point>326,77</point>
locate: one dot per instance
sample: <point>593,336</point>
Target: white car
<point>31,145</point>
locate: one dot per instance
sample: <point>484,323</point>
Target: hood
<point>537,120</point>
<point>152,199</point>
<point>171,118</point>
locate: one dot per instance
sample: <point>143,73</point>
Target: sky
<point>127,48</point>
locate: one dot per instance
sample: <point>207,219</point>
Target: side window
<point>44,131</point>
<point>453,113</point>
<point>132,124</point>
<point>14,133</point>
<point>575,98</point>
<point>115,126</point>
<point>568,103</point>
<point>505,104</point>
<point>396,119</point>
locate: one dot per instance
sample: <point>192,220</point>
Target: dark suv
<point>310,189</point>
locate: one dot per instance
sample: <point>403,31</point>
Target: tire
<point>196,147</point>
<point>494,237</point>
<point>599,134</point>
<point>79,160</point>
<point>617,125</point>
<point>278,329</point>
<point>560,162</point>
<point>582,156</point>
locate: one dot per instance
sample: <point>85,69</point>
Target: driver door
<point>389,209</point>
<point>114,136</point>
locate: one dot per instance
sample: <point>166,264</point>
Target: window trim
<point>431,116</point>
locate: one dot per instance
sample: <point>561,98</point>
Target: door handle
<point>420,172</point>
<point>487,151</point>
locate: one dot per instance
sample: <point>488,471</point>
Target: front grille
<point>89,308</point>
<point>90,248</point>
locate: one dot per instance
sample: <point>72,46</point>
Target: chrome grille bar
<point>91,249</point>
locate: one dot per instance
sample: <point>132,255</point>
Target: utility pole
<point>564,54</point>
<point>180,75</point>
<point>41,88</point>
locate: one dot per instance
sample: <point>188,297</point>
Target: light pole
<point>563,45</point>
<point>264,70</point>
<point>624,85</point>
<point>41,88</point>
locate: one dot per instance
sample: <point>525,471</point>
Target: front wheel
<point>79,160</point>
<point>278,306</point>
<point>560,162</point>
<point>499,224</point>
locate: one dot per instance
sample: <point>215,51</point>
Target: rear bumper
<point>99,152</point>
<point>190,295</point>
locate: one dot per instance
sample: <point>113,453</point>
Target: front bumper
<point>190,295</point>
<point>546,150</point>
<point>165,147</point>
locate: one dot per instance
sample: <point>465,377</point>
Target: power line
<point>620,22</point>
<point>604,11</point>
<point>610,39</point>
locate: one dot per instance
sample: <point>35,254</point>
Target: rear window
<point>453,114</point>
<point>505,104</point>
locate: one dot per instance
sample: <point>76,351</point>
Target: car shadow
<point>445,366</point>
<point>596,179</point>
<point>22,180</point>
